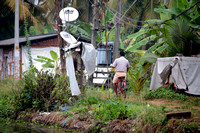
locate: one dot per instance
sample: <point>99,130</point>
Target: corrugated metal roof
<point>23,39</point>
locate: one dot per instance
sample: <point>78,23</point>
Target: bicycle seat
<point>121,77</point>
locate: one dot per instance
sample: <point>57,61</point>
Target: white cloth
<point>89,57</point>
<point>185,74</point>
<point>72,78</point>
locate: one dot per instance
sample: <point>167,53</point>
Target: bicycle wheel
<point>123,89</point>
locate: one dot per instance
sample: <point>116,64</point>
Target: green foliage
<point>115,109</point>
<point>165,93</point>
<point>6,110</point>
<point>28,43</point>
<point>189,127</point>
<point>8,86</point>
<point>139,72</point>
<point>153,115</point>
<point>110,110</point>
<point>50,63</point>
<point>176,36</point>
<point>42,91</point>
<point>33,31</point>
<point>81,28</point>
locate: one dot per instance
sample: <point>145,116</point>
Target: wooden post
<point>95,24</point>
<point>94,33</point>
<point>60,41</point>
<point>117,30</point>
<point>81,74</point>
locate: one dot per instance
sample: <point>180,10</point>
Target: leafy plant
<point>42,91</point>
<point>6,110</point>
<point>175,36</point>
<point>50,63</point>
<point>139,73</point>
<point>190,127</point>
<point>110,110</point>
<point>153,115</point>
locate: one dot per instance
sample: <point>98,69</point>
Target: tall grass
<point>8,86</point>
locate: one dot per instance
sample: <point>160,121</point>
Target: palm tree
<point>34,14</point>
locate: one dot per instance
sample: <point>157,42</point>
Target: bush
<point>165,93</point>
<point>5,108</point>
<point>110,110</point>
<point>42,91</point>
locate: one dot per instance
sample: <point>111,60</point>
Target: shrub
<point>5,108</point>
<point>110,110</point>
<point>189,127</point>
<point>42,91</point>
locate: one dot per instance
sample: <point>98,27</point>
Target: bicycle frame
<point>122,86</point>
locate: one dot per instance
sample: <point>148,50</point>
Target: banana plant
<point>173,35</point>
<point>53,62</point>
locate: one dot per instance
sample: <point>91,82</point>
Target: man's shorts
<point>118,74</point>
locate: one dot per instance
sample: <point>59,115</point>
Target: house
<point>40,45</point>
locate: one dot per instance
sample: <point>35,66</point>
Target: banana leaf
<point>140,43</point>
<point>139,33</point>
<point>45,58</point>
<point>48,65</point>
<point>54,55</point>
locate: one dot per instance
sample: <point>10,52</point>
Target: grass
<point>8,86</point>
<point>165,93</point>
<point>102,106</point>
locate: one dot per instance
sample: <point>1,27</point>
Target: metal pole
<point>16,46</point>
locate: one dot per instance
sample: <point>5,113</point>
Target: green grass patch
<point>165,93</point>
<point>6,110</point>
<point>8,86</point>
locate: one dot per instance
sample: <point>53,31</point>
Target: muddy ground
<point>87,123</point>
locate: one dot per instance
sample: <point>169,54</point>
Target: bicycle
<point>122,85</point>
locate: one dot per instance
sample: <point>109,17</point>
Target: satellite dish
<point>68,37</point>
<point>70,40</point>
<point>72,46</point>
<point>68,14</point>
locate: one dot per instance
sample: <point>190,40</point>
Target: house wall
<point>6,62</point>
<point>7,55</point>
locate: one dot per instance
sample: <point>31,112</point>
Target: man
<point>121,66</point>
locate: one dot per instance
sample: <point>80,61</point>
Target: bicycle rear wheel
<point>123,89</point>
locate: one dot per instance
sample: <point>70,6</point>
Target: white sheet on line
<point>89,57</point>
<point>72,78</point>
<point>186,73</point>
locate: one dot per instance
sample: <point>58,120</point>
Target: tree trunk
<point>60,41</point>
<point>94,33</point>
<point>117,30</point>
<point>90,11</point>
<point>95,24</point>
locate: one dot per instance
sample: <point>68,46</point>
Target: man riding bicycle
<point>121,66</point>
